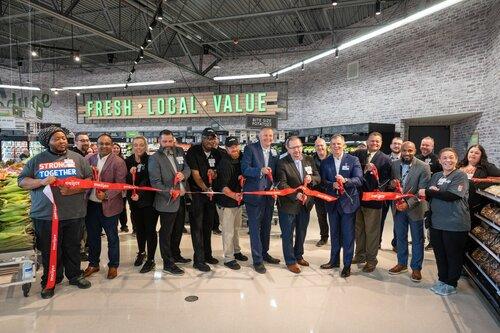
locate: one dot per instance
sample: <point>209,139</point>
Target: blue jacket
<point>251,164</point>
<point>350,169</point>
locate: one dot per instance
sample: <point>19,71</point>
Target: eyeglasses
<point>296,147</point>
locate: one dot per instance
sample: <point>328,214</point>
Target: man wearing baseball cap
<point>43,169</point>
<point>229,205</point>
<point>203,160</point>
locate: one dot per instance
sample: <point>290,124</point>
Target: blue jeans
<point>259,224</point>
<point>341,233</point>
<point>401,223</point>
<point>288,223</point>
<point>95,222</point>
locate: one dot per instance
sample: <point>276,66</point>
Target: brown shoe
<point>90,270</point>
<point>416,275</point>
<point>294,268</point>
<point>302,262</point>
<point>368,268</point>
<point>398,269</point>
<point>112,272</point>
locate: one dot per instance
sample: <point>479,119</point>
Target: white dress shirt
<point>337,163</point>
<point>266,153</point>
<point>100,164</point>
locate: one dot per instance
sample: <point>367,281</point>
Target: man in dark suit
<point>341,168</point>
<point>258,166</point>
<point>294,209</point>
<point>413,175</point>
<point>368,217</point>
<point>164,166</point>
<point>104,207</point>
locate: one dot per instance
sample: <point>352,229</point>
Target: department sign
<point>181,106</point>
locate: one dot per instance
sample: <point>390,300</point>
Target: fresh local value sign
<point>181,106</point>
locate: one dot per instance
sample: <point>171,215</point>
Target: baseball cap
<point>231,141</point>
<point>208,132</point>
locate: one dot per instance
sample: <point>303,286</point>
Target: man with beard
<point>43,169</point>
<point>203,160</point>
<point>413,175</point>
<point>229,205</point>
<point>395,155</point>
<point>320,154</point>
<point>82,144</point>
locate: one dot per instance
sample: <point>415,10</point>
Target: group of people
<point>214,179</point>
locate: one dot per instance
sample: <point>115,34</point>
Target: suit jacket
<point>113,171</point>
<point>350,169</point>
<point>161,176</point>
<point>251,164</point>
<point>383,164</point>
<point>418,177</point>
<point>288,176</point>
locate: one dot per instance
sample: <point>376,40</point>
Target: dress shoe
<point>148,266</point>
<point>260,268</point>
<point>357,261</point>
<point>80,282</point>
<point>271,260</point>
<point>329,266</point>
<point>90,270</point>
<point>321,242</point>
<point>139,259</point>
<point>112,273</point>
<point>202,267</point>
<point>47,293</point>
<point>302,262</point>
<point>416,275</point>
<point>368,268</point>
<point>84,256</point>
<point>232,264</point>
<point>212,261</point>
<point>240,257</point>
<point>181,260</point>
<point>346,272</point>
<point>173,269</point>
<point>294,268</point>
<point>398,269</point>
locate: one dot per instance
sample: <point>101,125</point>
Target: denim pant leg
<point>417,244</point>
<point>334,220</point>
<point>401,227</point>
<point>287,225</point>
<point>110,225</point>
<point>302,221</point>
<point>254,214</point>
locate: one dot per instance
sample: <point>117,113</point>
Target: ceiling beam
<point>83,25</point>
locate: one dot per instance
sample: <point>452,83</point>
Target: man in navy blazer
<point>258,166</point>
<point>343,168</point>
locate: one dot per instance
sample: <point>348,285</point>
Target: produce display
<point>16,231</point>
<point>489,238</point>
<point>490,266</point>
<point>492,213</point>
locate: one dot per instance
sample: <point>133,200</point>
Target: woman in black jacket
<point>475,164</point>
<point>141,204</point>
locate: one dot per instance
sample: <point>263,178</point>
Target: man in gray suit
<point>413,175</point>
<point>164,165</point>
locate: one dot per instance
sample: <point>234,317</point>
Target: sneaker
<point>437,286</point>
<point>140,258</point>
<point>240,257</point>
<point>446,290</point>
<point>398,269</point>
<point>232,264</point>
<point>149,265</point>
<point>173,269</point>
<point>416,275</point>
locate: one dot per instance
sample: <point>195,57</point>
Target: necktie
<point>298,165</point>
<point>370,156</point>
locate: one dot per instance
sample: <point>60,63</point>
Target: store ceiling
<point>105,29</point>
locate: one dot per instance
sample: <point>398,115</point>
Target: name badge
<point>345,167</point>
<point>211,162</point>
<point>140,167</point>
<point>308,170</point>
<point>180,159</point>
<point>428,161</point>
<point>274,153</point>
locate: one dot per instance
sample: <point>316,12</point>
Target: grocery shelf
<point>495,286</point>
<point>484,247</point>
<point>489,195</point>
<point>484,289</point>
<point>487,221</point>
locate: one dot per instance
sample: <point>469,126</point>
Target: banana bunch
<point>16,231</point>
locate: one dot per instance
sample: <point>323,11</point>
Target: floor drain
<point>191,298</point>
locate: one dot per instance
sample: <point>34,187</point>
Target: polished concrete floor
<point>244,301</point>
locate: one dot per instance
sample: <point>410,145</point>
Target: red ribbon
<point>77,183</point>
<point>383,196</point>
<point>177,178</point>
<point>51,276</point>
<point>134,191</point>
<point>374,173</point>
<point>270,176</point>
<point>341,188</point>
<point>242,180</point>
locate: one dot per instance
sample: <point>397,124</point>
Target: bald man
<point>320,154</point>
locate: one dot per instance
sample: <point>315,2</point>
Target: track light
<point>132,71</point>
<point>141,54</point>
<point>148,37</point>
<point>78,94</point>
<point>136,61</point>
<point>126,86</point>
<point>34,53</point>
<point>303,66</point>
<point>378,7</point>
<point>336,53</point>
<point>276,77</point>
<point>144,45</point>
<point>129,79</point>
<point>76,56</point>
<point>152,25</point>
<point>56,92</point>
<point>160,13</point>
<point>334,3</point>
<point>8,86</point>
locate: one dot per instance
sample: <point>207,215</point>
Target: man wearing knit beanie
<point>43,169</point>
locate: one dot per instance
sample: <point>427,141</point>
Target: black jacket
<point>228,171</point>
<point>146,198</point>
<point>482,171</point>
<point>288,176</point>
<point>432,160</point>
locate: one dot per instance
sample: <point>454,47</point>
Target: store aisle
<point>244,301</point>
